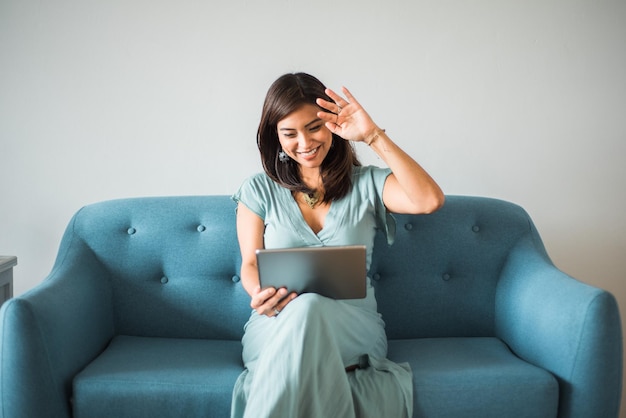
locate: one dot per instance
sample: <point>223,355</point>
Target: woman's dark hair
<point>286,95</point>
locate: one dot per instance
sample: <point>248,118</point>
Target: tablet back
<point>335,272</point>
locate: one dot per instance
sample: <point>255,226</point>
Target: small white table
<point>6,277</point>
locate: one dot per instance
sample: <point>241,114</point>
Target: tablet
<point>334,272</point>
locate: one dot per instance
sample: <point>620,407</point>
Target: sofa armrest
<point>564,326</point>
<point>51,332</point>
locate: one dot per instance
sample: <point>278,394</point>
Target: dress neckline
<point>301,217</point>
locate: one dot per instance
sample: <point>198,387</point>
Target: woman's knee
<point>309,305</point>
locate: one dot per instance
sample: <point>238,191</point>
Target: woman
<point>307,355</point>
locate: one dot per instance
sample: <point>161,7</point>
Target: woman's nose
<point>303,140</point>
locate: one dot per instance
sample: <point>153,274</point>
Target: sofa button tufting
<point>408,227</point>
<point>446,277</point>
<point>475,228</point>
<point>164,280</point>
<point>131,231</point>
<point>235,279</point>
<point>376,277</point>
<point>201,228</point>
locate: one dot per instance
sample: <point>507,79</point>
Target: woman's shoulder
<point>366,173</point>
<point>368,182</point>
<point>259,181</point>
<point>256,186</point>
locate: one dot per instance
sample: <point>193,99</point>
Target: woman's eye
<point>315,128</point>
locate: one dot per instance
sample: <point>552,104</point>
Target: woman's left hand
<point>347,119</point>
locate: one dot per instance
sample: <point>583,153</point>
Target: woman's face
<point>304,137</point>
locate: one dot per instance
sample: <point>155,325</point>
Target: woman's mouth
<point>309,153</point>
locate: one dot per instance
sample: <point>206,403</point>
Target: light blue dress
<point>295,362</point>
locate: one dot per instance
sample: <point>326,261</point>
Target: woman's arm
<point>409,189</point>
<point>250,230</point>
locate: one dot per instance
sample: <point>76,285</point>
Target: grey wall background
<point>519,100</point>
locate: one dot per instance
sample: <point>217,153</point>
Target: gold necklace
<point>311,199</point>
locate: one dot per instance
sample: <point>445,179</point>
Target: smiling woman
<point>290,125</point>
<point>314,192</point>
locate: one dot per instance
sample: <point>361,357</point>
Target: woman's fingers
<point>346,118</point>
<point>330,106</point>
<point>340,101</point>
<point>270,300</point>
<point>284,302</point>
<point>350,97</point>
<point>259,297</point>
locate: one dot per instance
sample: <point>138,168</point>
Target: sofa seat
<point>475,377</point>
<point>168,377</point>
<point>159,377</point>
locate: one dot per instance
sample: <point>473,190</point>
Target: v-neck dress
<point>295,362</point>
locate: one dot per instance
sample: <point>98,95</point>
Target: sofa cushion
<point>159,377</point>
<point>474,377</point>
<point>165,377</point>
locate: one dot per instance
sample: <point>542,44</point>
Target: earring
<point>282,156</point>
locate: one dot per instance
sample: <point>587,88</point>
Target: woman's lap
<point>354,329</point>
<point>295,364</point>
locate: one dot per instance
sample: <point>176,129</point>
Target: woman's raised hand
<point>347,119</point>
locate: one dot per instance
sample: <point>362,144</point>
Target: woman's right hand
<point>270,302</point>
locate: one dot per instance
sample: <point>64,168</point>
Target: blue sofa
<point>142,316</point>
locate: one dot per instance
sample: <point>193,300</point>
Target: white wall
<point>520,100</point>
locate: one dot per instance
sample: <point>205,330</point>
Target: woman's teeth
<point>308,154</point>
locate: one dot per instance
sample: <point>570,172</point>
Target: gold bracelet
<point>373,136</point>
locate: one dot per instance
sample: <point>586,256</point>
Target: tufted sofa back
<point>440,277</point>
<point>172,266</point>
